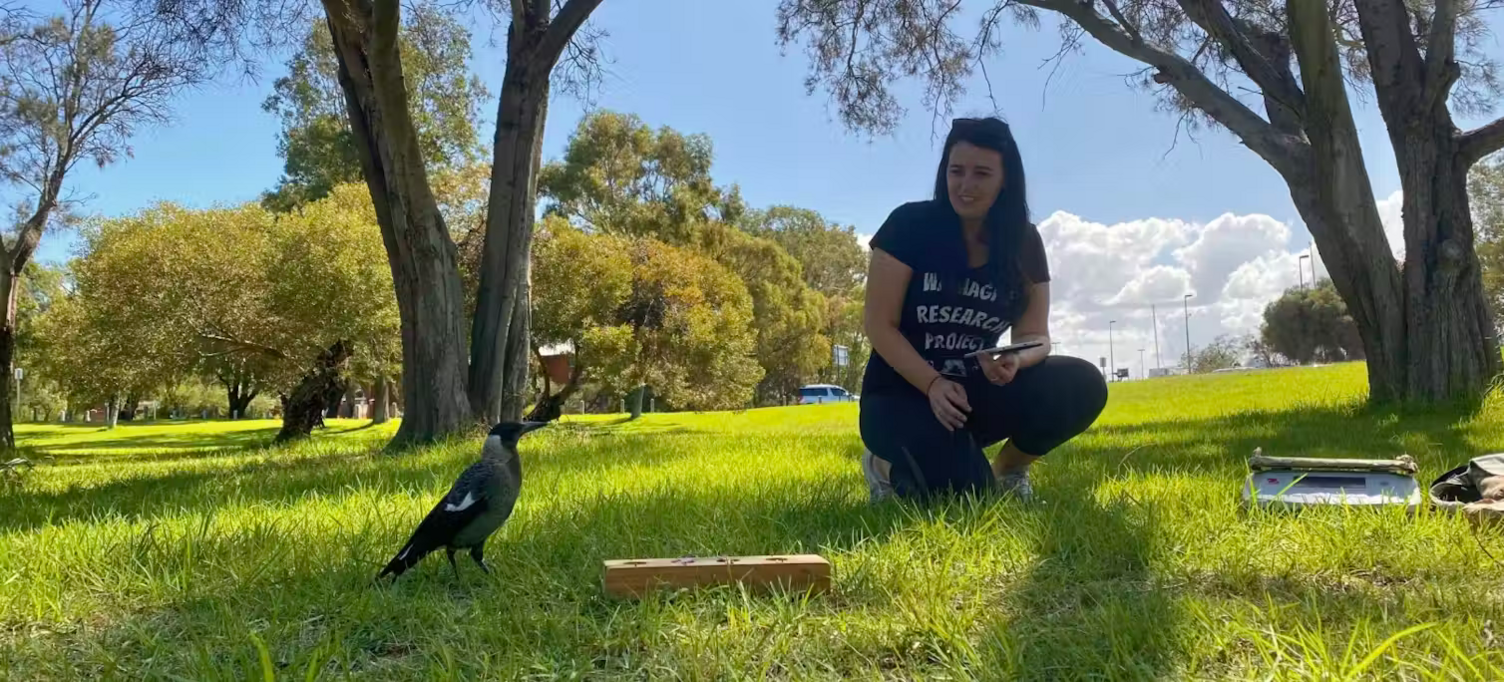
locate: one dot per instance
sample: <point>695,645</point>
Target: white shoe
<point>878,487</point>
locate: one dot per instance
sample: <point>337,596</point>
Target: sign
<point>840,355</point>
<point>1102,362</point>
<point>20,373</point>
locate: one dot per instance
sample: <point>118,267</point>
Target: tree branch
<point>1212,17</point>
<point>1441,71</point>
<point>238,345</point>
<point>1479,142</point>
<point>1279,149</point>
<point>561,30</point>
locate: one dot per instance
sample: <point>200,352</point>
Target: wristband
<point>931,384</point>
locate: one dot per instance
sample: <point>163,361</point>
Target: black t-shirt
<point>950,308</point>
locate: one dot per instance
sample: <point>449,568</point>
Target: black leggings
<point>1043,407</point>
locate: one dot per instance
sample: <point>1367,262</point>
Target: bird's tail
<point>408,557</point>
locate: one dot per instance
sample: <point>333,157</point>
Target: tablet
<point>1011,348</point>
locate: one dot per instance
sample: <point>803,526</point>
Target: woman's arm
<point>1034,325</point>
<point>887,282</point>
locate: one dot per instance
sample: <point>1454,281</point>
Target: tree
<point>829,254</point>
<point>1425,324</point>
<point>620,177</point>
<point>1311,325</point>
<point>259,301</point>
<point>316,143</point>
<point>73,87</point>
<point>649,314</point>
<point>583,281</point>
<point>1223,352</point>
<point>787,314</point>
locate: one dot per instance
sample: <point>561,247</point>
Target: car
<point>815,394</point>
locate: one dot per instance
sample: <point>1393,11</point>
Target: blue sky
<point>716,68</point>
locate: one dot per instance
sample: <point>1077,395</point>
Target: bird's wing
<point>465,502</point>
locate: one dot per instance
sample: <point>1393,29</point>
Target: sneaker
<point>878,487</point>
<point>1016,483</point>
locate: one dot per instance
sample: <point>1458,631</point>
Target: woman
<point>947,277</point>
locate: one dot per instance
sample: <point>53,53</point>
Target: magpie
<point>477,504</point>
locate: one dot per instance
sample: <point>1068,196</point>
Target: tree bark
<point>381,411</point>
<point>10,284</point>
<point>304,408</point>
<point>498,343</point>
<point>422,256</point>
<point>499,337</point>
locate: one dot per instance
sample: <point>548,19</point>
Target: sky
<point>1132,213</point>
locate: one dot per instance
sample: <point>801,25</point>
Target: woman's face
<point>974,176</point>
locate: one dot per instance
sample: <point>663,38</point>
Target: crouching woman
<point>947,277</point>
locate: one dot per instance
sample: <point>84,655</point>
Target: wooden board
<point>797,572</point>
<point>1403,465</point>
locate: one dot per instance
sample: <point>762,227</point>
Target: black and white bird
<point>479,502</point>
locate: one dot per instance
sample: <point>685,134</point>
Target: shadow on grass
<point>283,477</point>
<point>1436,439</point>
<point>543,606</point>
<point>1090,604</point>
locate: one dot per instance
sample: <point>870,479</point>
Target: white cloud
<point>1394,222</point>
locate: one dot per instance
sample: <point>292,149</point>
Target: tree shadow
<point>317,605</point>
<point>1091,592</point>
<point>284,476</point>
<point>1436,439</point>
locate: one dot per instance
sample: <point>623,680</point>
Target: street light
<point>1112,362</point>
<point>1300,268</point>
<point>1186,303</point>
<point>1155,315</point>
<point>1141,373</point>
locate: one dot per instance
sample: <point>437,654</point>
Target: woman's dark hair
<point>1008,218</point>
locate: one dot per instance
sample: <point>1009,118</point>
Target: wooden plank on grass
<point>795,572</point>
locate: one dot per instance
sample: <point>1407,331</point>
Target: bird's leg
<point>476,554</point>
<point>452,565</point>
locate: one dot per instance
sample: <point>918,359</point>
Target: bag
<point>1464,485</point>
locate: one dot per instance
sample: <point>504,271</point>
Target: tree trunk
<point>381,412</point>
<point>304,408</point>
<point>422,256</point>
<point>1426,331</point>
<point>499,341</point>
<point>127,409</point>
<point>634,402</point>
<point>9,286</point>
<point>112,412</point>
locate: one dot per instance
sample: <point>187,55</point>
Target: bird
<point>478,503</point>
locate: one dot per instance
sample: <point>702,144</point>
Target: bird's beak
<point>529,427</point>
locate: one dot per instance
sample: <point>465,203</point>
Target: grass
<point>194,552</point>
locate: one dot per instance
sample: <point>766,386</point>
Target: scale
<point>1297,482</point>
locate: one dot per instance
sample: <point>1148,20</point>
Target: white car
<point>815,394</point>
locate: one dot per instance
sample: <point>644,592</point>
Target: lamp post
<point>1185,303</point>
<point>1300,267</point>
<point>1112,362</point>
<point>1141,373</point>
<point>1155,315</point>
<point>19,373</point>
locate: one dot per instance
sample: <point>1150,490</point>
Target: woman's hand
<point>1000,370</point>
<point>948,401</point>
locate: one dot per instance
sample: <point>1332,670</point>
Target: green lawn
<point>142,553</point>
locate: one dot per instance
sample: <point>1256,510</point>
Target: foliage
<point>647,314</point>
<point>1223,352</point>
<point>445,99</point>
<point>829,255</point>
<point>172,292</point>
<point>1311,324</point>
<point>1486,191</point>
<point>788,316</point>
<point>620,176</point>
